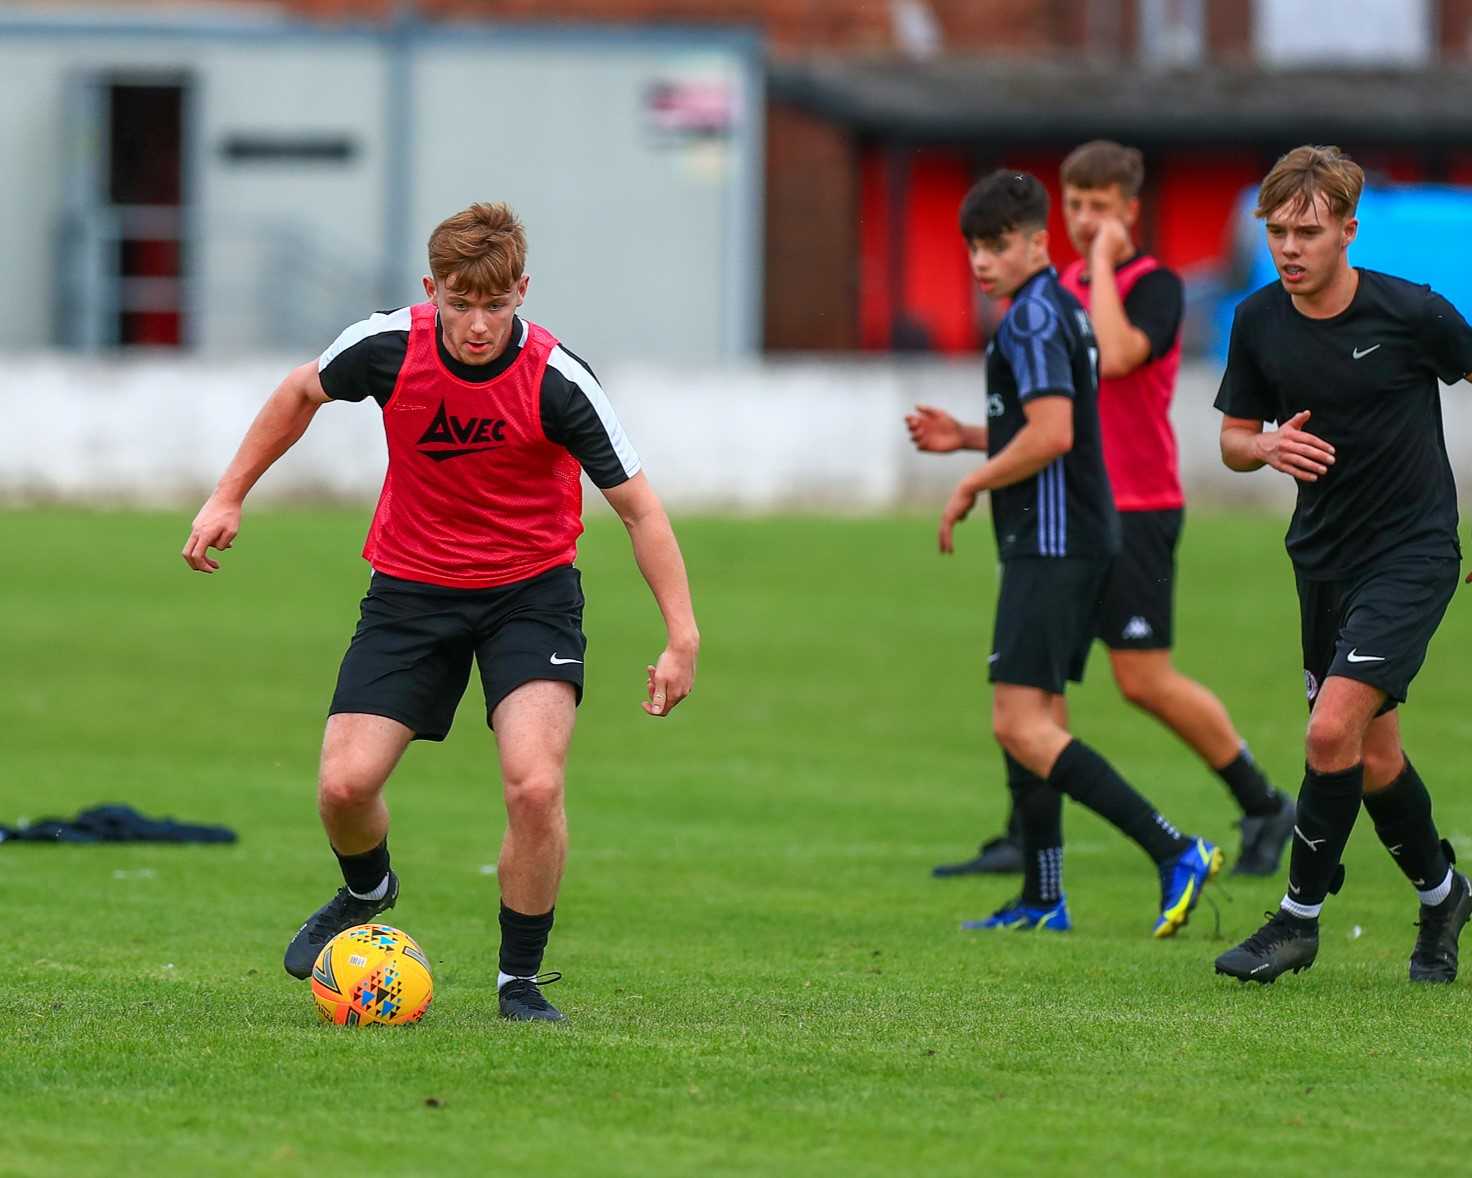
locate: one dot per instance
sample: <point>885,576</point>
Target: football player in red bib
<point>490,422</point>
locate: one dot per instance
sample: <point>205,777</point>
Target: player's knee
<point>346,787</point>
<point>1008,733</point>
<point>1382,766</point>
<point>1136,689</point>
<point>1019,737</point>
<point>1332,741</point>
<point>534,799</point>
<point>1141,685</point>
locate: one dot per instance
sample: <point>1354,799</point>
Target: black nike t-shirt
<point>1369,377</point>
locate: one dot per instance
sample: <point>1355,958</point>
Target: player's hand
<point>669,681</point>
<point>1111,241</point>
<point>934,430</point>
<point>216,526</point>
<point>1293,450</point>
<point>958,507</point>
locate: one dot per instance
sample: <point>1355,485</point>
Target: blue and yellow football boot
<point>1022,917</point>
<point>1181,881</point>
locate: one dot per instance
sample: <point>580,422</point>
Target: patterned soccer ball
<point>372,973</point>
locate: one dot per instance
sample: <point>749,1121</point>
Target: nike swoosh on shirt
<point>1354,656</point>
<point>557,662</point>
<point>1359,355</point>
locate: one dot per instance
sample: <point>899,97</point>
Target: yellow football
<point>372,973</point>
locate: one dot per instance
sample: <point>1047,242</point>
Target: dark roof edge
<point>913,102</point>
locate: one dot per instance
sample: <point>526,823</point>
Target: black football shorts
<point>410,657</point>
<point>1138,610</point>
<point>1047,614</point>
<point>1376,625</point>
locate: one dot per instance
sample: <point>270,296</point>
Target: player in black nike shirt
<point>1057,533</point>
<point>1347,361</point>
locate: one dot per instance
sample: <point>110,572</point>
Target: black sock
<point>1253,791</point>
<point>1014,819</point>
<point>365,871</point>
<point>523,941</point>
<point>1014,823</point>
<point>1328,804</point>
<point>1402,816</point>
<point>1090,780</point>
<point>1038,808</point>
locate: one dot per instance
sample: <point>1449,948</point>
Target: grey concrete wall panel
<point>281,254</point>
<point>640,240</point>
<point>644,240</point>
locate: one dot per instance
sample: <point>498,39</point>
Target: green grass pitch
<point>762,977</point>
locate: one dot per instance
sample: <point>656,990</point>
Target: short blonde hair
<point>480,250</point>
<point>1303,174</point>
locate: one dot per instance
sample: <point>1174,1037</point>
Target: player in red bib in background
<point>1136,304</point>
<point>490,423</point>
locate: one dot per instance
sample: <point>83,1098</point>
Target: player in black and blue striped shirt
<point>1057,533</point>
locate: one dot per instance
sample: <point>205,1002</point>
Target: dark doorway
<point>144,185</point>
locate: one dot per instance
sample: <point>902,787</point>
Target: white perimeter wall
<point>818,434</point>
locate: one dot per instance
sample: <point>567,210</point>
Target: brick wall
<point>811,264</point>
<point>1454,30</point>
<point>787,24</point>
<point>1105,27</point>
<point>988,26</point>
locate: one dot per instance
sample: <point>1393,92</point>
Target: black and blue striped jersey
<point>1045,347</point>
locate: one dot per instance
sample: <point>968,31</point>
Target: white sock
<point>1302,911</point>
<point>503,978</point>
<point>377,893</point>
<point>1439,893</point>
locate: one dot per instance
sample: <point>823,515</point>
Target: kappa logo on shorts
<point>1137,627</point>
<point>1310,684</point>
<point>470,435</point>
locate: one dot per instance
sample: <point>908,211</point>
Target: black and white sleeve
<point>364,361</point>
<point>576,414</point>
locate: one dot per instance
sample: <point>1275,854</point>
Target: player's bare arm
<point>1123,347</point>
<point>1289,448</point>
<point>934,431</point>
<point>1047,435</point>
<point>282,420</point>
<point>657,553</point>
